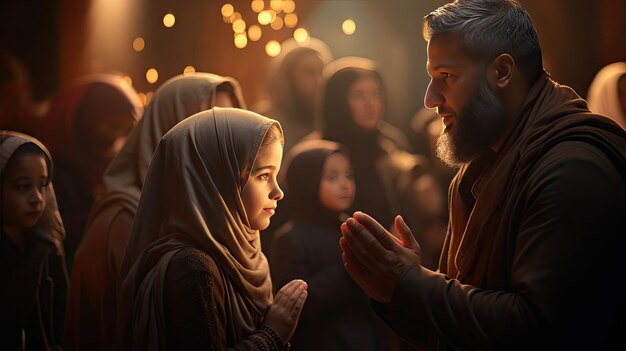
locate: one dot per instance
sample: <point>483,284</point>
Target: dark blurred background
<point>59,40</point>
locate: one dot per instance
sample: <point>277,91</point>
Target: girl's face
<point>365,102</point>
<point>337,187</point>
<point>261,193</point>
<point>23,187</point>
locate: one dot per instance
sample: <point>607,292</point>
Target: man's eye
<point>446,75</point>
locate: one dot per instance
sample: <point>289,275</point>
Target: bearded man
<point>533,253</point>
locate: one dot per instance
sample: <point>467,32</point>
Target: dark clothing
<point>195,313</point>
<point>535,240</point>
<point>32,297</point>
<point>336,315</point>
<point>90,318</point>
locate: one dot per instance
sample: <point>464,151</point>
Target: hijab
<point>304,170</point>
<point>603,97</point>
<point>192,197</point>
<point>49,227</point>
<point>176,99</point>
<point>364,146</point>
<point>99,256</point>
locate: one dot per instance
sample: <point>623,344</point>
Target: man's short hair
<point>489,28</point>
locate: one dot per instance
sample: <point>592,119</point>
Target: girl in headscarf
<point>90,317</point>
<point>85,128</point>
<point>193,275</point>
<point>607,93</point>
<point>352,114</point>
<point>32,263</point>
<point>319,189</point>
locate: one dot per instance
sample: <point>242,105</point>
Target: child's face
<point>366,102</point>
<point>23,191</point>
<point>337,187</point>
<point>261,194</point>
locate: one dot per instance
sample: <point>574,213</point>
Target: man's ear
<point>500,71</point>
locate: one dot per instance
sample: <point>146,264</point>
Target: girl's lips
<point>270,211</point>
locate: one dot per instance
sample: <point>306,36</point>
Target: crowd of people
<point>313,223</point>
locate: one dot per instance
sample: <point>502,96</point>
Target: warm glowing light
<point>289,6</point>
<point>291,20</point>
<point>241,40</point>
<point>239,26</point>
<point>276,5</point>
<point>277,24</point>
<point>126,82</point>
<point>257,5</point>
<point>152,75</point>
<point>149,96</point>
<point>169,20</point>
<point>139,44</point>
<point>301,35</point>
<point>254,33</point>
<point>189,70</point>
<point>142,98</point>
<point>264,17</point>
<point>235,16</point>
<point>273,14</point>
<point>348,26</point>
<point>227,10</point>
<point>272,48</point>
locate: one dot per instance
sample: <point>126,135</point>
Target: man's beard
<point>477,128</point>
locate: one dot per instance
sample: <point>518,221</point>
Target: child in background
<point>319,187</point>
<point>32,261</point>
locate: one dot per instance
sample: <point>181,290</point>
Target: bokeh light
<point>227,10</point>
<point>276,5</point>
<point>291,20</point>
<point>277,24</point>
<point>301,35</point>
<point>257,5</point>
<point>348,26</point>
<point>126,82</point>
<point>139,44</point>
<point>289,6</point>
<point>239,26</point>
<point>241,40</point>
<point>152,75</point>
<point>264,17</point>
<point>272,48</point>
<point>169,20</point>
<point>189,70</point>
<point>254,33</point>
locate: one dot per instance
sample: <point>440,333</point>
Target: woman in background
<point>86,126</point>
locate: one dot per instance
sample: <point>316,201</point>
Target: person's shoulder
<point>574,152</point>
<point>580,167</point>
<point>190,260</point>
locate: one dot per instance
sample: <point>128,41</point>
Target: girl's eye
<point>350,176</point>
<point>264,176</point>
<point>23,187</point>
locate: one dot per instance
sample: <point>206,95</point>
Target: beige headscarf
<point>192,197</point>
<point>49,227</point>
<point>176,99</point>
<point>603,97</point>
<point>98,259</point>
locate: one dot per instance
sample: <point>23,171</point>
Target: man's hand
<point>374,257</point>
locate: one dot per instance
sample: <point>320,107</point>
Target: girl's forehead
<point>29,164</point>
